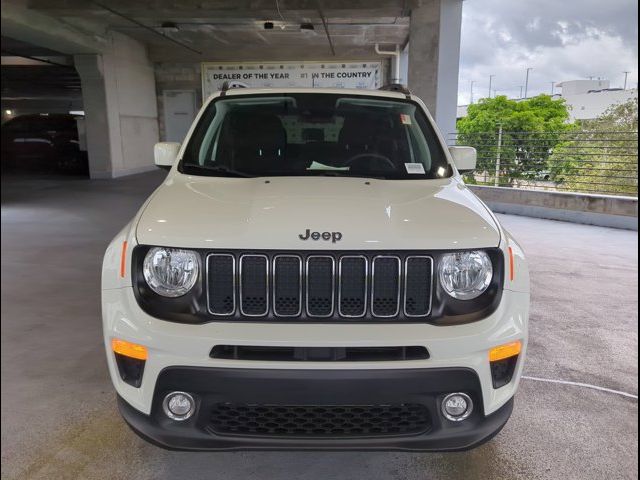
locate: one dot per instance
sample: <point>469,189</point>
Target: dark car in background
<point>42,143</point>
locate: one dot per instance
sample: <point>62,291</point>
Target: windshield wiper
<point>341,174</point>
<point>199,169</point>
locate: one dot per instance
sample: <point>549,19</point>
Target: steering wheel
<point>377,156</point>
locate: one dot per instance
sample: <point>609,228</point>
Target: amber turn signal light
<point>507,350</point>
<point>128,349</point>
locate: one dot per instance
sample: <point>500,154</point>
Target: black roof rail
<point>396,87</point>
<point>227,85</point>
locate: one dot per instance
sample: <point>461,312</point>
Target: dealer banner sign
<point>292,74</point>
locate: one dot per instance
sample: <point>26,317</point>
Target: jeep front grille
<point>319,286</point>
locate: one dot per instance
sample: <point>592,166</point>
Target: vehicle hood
<point>271,213</point>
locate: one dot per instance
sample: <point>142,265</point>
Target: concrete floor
<point>58,407</point>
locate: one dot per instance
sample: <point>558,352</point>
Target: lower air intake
<point>319,420</point>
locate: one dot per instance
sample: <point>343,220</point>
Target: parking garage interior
<point>130,57</point>
<point>43,121</point>
<point>119,68</point>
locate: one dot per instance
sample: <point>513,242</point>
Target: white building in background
<point>586,99</point>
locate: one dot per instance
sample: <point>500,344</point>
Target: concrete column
<point>448,65</point>
<point>404,65</point>
<point>119,95</point>
<point>90,69</point>
<point>434,57</point>
<point>424,35</point>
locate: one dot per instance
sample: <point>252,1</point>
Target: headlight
<point>170,272</point>
<point>465,275</point>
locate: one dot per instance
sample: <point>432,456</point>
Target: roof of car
<point>335,91</point>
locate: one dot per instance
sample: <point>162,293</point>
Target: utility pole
<point>553,84</point>
<point>490,82</point>
<point>471,93</point>
<point>521,87</point>
<point>526,83</point>
<point>626,75</point>
<point>497,178</point>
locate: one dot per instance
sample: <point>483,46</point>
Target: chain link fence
<point>579,161</point>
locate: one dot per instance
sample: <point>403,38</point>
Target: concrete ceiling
<point>234,29</point>
<point>30,82</point>
<point>188,31</point>
<point>11,46</point>
<point>31,72</point>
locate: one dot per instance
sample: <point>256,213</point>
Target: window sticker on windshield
<point>414,168</point>
<point>405,119</point>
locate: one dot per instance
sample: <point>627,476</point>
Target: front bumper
<point>328,388</point>
<point>173,344</point>
<point>175,349</point>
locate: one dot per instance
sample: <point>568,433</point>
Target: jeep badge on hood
<point>333,236</point>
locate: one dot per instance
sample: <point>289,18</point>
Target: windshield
<point>314,134</point>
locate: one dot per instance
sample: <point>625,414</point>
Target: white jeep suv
<point>314,274</point>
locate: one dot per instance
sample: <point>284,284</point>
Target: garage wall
<point>176,76</point>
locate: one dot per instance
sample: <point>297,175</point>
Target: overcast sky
<point>559,39</point>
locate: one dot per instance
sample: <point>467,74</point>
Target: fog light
<point>457,406</point>
<point>178,406</point>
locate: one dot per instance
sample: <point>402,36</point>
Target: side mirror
<point>464,158</point>
<point>165,154</point>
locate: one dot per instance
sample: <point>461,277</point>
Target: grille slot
<point>418,275</point>
<point>254,285</point>
<point>320,274</point>
<point>353,277</point>
<point>221,275</point>
<point>385,288</point>
<point>287,285</point>
<point>319,420</point>
<point>318,354</point>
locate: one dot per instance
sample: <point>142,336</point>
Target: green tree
<point>602,157</point>
<point>530,130</point>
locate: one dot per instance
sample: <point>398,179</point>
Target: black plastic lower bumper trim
<point>212,386</point>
